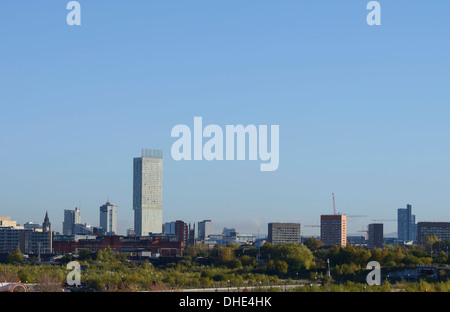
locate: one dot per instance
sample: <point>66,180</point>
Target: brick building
<point>164,245</point>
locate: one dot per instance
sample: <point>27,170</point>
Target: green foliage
<point>313,244</point>
<point>431,242</point>
<point>224,255</point>
<point>298,257</point>
<point>16,256</point>
<point>106,270</point>
<point>85,254</point>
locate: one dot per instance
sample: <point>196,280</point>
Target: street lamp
<point>329,275</point>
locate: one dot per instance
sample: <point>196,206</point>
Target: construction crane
<point>366,230</point>
<point>385,220</point>
<point>311,225</point>
<point>334,205</point>
<point>351,216</point>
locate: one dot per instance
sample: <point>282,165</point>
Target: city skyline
<point>362,111</point>
<point>111,209</point>
<point>153,155</point>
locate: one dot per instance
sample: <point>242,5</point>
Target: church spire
<point>46,226</point>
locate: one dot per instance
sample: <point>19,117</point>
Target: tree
<point>276,267</point>
<point>85,254</point>
<point>190,251</point>
<point>225,255</point>
<point>297,256</point>
<point>313,244</point>
<point>431,241</point>
<point>16,256</point>
<point>247,260</point>
<point>49,283</point>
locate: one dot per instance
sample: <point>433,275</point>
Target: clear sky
<point>363,110</point>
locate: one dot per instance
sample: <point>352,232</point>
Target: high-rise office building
<point>440,229</point>
<point>333,230</point>
<point>375,235</point>
<point>283,233</point>
<point>406,224</point>
<point>205,228</point>
<point>147,192</point>
<point>71,217</point>
<point>108,218</point>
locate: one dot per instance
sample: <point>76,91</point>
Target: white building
<point>205,229</point>
<point>147,192</point>
<point>108,218</point>
<point>71,217</point>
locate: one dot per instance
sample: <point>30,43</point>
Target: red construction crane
<point>366,230</point>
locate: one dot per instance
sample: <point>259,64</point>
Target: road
<point>241,289</point>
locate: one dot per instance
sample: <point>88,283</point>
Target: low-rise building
<point>440,229</point>
<point>283,233</point>
<point>30,240</point>
<point>164,245</point>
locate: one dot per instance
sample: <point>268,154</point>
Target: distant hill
<point>393,234</point>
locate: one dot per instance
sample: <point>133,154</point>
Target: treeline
<point>230,266</point>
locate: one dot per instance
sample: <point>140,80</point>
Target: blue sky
<point>363,111</point>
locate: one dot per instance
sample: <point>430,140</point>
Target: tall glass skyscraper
<point>147,192</point>
<point>406,224</point>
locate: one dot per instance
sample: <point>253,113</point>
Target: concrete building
<point>333,230</point>
<point>375,235</point>
<point>178,228</point>
<point>205,229</point>
<point>108,218</point>
<point>71,217</point>
<point>406,224</point>
<point>147,192</point>
<point>440,229</point>
<point>32,226</point>
<point>6,222</point>
<point>283,233</point>
<point>82,229</point>
<point>356,240</point>
<point>229,232</point>
<point>234,238</point>
<point>31,241</point>
<point>191,236</point>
